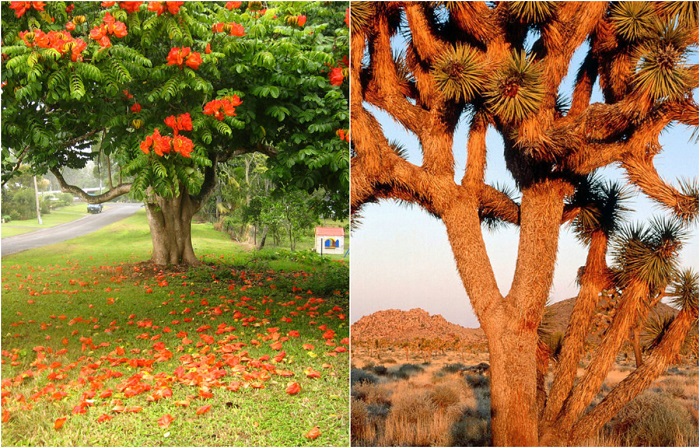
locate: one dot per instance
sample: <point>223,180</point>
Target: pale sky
<point>401,257</point>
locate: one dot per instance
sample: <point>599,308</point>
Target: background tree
<point>501,66</point>
<point>168,90</point>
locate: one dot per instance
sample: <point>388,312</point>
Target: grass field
<point>59,216</point>
<point>98,348</point>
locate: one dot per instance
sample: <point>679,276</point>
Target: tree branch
<point>660,357</point>
<point>119,190</point>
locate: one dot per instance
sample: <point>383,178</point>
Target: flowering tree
<point>170,89</point>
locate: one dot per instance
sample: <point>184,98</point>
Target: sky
<point>401,257</point>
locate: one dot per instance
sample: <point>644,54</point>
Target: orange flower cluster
<point>343,134</point>
<point>130,7</point>
<point>179,144</point>
<point>233,28</point>
<point>60,41</point>
<point>223,107</point>
<point>110,26</point>
<point>184,55</point>
<point>182,122</point>
<point>233,5</point>
<point>160,7</point>
<point>336,76</point>
<point>21,8</point>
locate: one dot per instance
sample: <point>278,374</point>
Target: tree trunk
<point>263,237</point>
<point>514,414</point>
<point>170,221</point>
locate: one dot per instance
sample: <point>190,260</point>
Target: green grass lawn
<point>59,216</point>
<point>113,345</point>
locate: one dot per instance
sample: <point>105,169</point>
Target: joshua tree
<point>501,66</point>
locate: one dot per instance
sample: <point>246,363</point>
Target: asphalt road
<point>112,212</point>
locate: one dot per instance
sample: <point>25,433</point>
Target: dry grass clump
<point>654,419</point>
<point>420,406</point>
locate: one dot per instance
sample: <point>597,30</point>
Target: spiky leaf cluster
<point>661,71</point>
<point>632,20</point>
<point>648,253</point>
<point>515,91</point>
<point>602,207</point>
<point>533,12</point>
<point>684,291</point>
<point>459,73</point>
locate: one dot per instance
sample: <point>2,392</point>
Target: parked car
<point>94,208</point>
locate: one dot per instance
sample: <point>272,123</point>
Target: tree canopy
<point>169,89</point>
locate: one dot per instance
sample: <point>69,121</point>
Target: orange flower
<point>237,30</point>
<point>165,420</point>
<point>314,433</point>
<point>204,409</point>
<point>194,60</point>
<point>174,7</point>
<point>136,108</point>
<point>233,5</point>
<point>130,7</point>
<point>293,388</point>
<point>184,55</point>
<point>336,76</point>
<point>182,122</point>
<point>107,4</point>
<point>225,107</point>
<point>301,20</point>
<point>21,8</point>
<point>70,26</point>
<point>347,17</point>
<point>58,424</point>
<point>156,7</point>
<point>207,49</point>
<point>183,146</point>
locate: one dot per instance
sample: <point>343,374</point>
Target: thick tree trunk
<point>514,413</point>
<point>170,221</point>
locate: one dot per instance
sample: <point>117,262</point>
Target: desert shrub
<point>380,370</point>
<point>654,419</point>
<point>362,430</point>
<point>409,422</point>
<point>453,368</point>
<point>405,371</point>
<point>674,387</point>
<point>472,429</point>
<point>477,381</point>
<point>445,395</point>
<point>360,376</point>
<point>371,393</point>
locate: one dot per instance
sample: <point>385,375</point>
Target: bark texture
<point>170,221</point>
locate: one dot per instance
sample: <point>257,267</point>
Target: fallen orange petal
<point>59,423</point>
<point>313,433</point>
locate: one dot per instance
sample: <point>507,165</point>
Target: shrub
<point>477,381</point>
<point>360,376</point>
<point>405,371</point>
<point>6,218</point>
<point>453,368</point>
<point>362,430</point>
<point>65,199</point>
<point>654,419</point>
<point>445,395</point>
<point>380,370</point>
<point>472,429</point>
